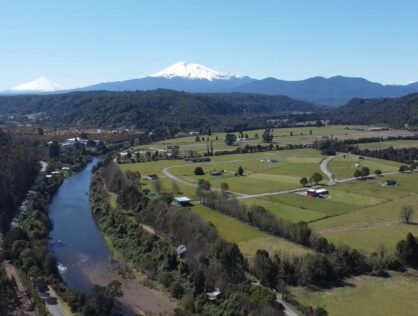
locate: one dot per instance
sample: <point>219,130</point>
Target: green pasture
<point>344,166</point>
<point>388,144</point>
<point>366,295</point>
<point>248,239</point>
<point>282,136</point>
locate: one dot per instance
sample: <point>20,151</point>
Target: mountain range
<point>188,77</point>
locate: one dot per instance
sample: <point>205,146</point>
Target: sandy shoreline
<point>137,298</point>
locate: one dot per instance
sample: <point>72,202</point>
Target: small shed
<point>216,172</point>
<point>390,183</point>
<point>183,200</point>
<point>181,251</point>
<point>213,296</point>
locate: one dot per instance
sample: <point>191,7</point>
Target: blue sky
<point>80,42</point>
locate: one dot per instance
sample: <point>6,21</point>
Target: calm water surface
<point>75,238</point>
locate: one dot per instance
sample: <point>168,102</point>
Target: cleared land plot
<point>248,239</point>
<point>367,296</point>
<point>370,227</point>
<point>287,212</point>
<point>300,135</point>
<point>389,143</point>
<point>344,166</point>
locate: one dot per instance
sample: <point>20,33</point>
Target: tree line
<point>209,262</point>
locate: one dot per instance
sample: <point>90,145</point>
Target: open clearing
<point>345,165</point>
<point>389,143</point>
<point>282,136</point>
<point>248,239</point>
<point>361,214</point>
<point>367,296</point>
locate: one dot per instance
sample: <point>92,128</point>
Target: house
<point>181,251</point>
<point>216,172</point>
<point>65,168</point>
<point>183,200</point>
<point>192,133</point>
<point>213,296</point>
<point>272,161</point>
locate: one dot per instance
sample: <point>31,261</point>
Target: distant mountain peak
<point>193,71</point>
<point>42,84</point>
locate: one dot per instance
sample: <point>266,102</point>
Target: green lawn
<point>367,295</point>
<point>248,239</point>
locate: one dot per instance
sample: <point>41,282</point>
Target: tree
<point>264,269</point>
<point>377,172</point>
<point>197,139</point>
<point>230,139</point>
<point>364,171</point>
<point>316,178</point>
<point>175,187</point>
<point>224,186</point>
<point>157,185</point>
<point>407,213</point>
<point>240,171</point>
<point>198,171</point>
<point>357,173</point>
<point>407,251</point>
<point>54,150</point>
<point>403,168</point>
<point>267,136</point>
<point>303,181</point>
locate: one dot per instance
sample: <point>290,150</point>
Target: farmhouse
<point>183,201</point>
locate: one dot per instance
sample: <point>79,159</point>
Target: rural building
<point>216,172</point>
<point>213,296</point>
<point>192,133</point>
<point>390,183</point>
<point>183,201</point>
<point>181,251</point>
<point>320,192</point>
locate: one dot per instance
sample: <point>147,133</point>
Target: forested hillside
<point>158,108</point>
<point>395,112</point>
<point>18,169</point>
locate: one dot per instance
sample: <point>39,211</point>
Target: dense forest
<point>18,169</point>
<point>160,108</point>
<point>395,112</point>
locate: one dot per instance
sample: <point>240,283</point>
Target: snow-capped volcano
<point>41,84</point>
<point>193,71</point>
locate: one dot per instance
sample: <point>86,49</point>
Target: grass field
<point>248,239</point>
<point>300,135</point>
<point>344,166</point>
<point>361,214</point>
<point>368,228</point>
<point>367,296</point>
<point>390,143</point>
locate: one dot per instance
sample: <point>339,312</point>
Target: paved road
<point>325,171</point>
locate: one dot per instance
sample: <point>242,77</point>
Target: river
<point>82,254</point>
<point>75,238</point>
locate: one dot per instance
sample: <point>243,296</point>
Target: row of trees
<point>209,262</point>
<point>330,265</point>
